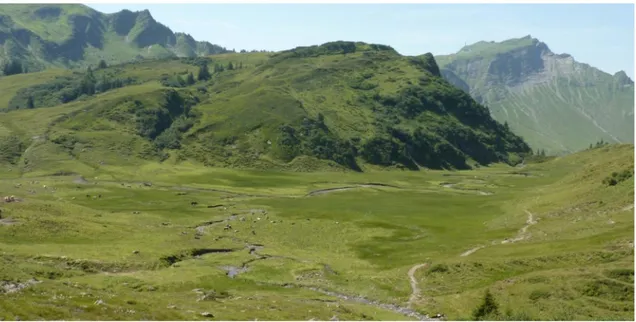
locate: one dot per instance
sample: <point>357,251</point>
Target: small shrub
<point>439,268</point>
<point>516,316</point>
<point>618,177</point>
<point>622,274</point>
<point>11,149</point>
<point>487,308</point>
<point>539,294</point>
<point>537,279</point>
<point>608,289</point>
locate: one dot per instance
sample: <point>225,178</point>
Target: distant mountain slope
<point>554,102</point>
<point>69,35</point>
<point>348,104</point>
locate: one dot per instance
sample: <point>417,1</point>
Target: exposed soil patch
<point>233,271</point>
<point>63,174</point>
<point>259,256</point>
<point>361,185</point>
<point>175,258</point>
<point>523,174</point>
<point>354,298</point>
<point>238,194</point>
<point>12,287</point>
<point>200,228</point>
<point>470,251</point>
<point>374,184</point>
<point>329,270</point>
<point>10,199</point>
<point>84,265</point>
<point>8,221</point>
<point>328,190</point>
<point>454,186</point>
<point>80,180</point>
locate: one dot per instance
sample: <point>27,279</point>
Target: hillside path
<point>415,294</point>
<point>521,235</point>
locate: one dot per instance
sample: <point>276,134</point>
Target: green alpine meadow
<point>145,175</point>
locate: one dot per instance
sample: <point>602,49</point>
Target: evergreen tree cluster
<point>540,153</point>
<point>599,144</point>
<point>177,80</point>
<point>66,89</point>
<point>13,67</point>
<point>203,74</point>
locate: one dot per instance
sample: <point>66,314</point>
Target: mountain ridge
<point>350,104</point>
<point>535,90</point>
<point>523,83</point>
<point>72,35</point>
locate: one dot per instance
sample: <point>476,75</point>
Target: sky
<point>601,35</point>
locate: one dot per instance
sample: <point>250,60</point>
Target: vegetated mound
<point>37,36</point>
<point>535,90</point>
<point>344,102</point>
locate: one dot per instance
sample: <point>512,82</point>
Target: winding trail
<point>522,232</point>
<point>415,294</point>
<point>470,251</point>
<point>234,271</point>
<point>521,235</point>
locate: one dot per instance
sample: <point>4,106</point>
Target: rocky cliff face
<point>72,35</point>
<point>553,101</point>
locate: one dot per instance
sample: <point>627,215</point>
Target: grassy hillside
<point>554,102</point>
<point>340,105</point>
<point>38,36</point>
<point>551,241</point>
<point>154,190</point>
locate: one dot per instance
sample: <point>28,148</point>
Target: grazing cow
<point>193,203</point>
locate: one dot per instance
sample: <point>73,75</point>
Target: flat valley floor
<point>549,240</point>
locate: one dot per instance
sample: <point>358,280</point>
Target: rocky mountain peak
<point>622,79</point>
